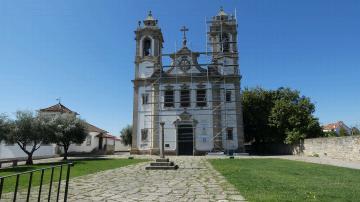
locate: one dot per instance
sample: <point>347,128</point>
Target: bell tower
<point>149,44</point>
<point>223,39</point>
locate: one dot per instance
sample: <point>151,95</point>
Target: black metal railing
<point>3,180</point>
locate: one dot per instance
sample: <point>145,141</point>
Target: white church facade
<point>199,103</point>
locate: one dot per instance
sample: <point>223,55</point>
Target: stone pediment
<point>184,62</point>
<point>185,116</point>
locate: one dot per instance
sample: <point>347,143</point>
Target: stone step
<point>162,164</point>
<point>162,160</point>
<point>174,167</point>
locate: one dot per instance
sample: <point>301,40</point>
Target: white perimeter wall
<point>84,147</point>
<point>119,146</point>
<point>14,151</point>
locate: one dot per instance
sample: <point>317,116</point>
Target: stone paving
<point>195,180</point>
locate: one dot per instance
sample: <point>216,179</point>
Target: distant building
<point>97,140</point>
<point>335,127</point>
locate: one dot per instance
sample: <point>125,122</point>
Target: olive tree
<point>4,126</point>
<point>28,131</point>
<point>355,131</point>
<point>126,135</point>
<point>343,132</point>
<point>67,129</point>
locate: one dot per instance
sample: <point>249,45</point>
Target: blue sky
<point>83,51</point>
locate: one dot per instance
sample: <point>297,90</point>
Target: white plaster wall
<point>144,120</point>
<point>146,69</point>
<point>84,147</point>
<point>119,146</point>
<point>14,151</point>
<point>203,131</point>
<point>226,70</point>
<point>229,117</point>
<point>169,117</point>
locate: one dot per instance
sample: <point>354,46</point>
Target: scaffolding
<point>160,104</point>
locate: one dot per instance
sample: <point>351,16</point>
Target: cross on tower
<point>184,30</point>
<point>59,100</point>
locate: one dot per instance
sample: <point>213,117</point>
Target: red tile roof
<point>333,126</point>
<point>107,136</point>
<point>92,128</point>
<point>58,108</point>
<point>62,109</point>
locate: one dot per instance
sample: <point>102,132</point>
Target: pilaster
<point>239,117</point>
<point>217,134</point>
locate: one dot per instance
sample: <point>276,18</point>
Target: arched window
<point>147,47</point>
<point>225,42</point>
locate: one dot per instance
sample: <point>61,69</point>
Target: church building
<point>198,102</point>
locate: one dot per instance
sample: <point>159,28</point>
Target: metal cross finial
<point>184,30</point>
<point>59,100</point>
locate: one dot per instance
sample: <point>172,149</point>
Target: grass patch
<point>286,180</point>
<point>82,167</point>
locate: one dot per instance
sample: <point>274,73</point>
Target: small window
<point>229,134</point>
<point>228,96</point>
<point>144,134</point>
<point>88,140</point>
<point>201,97</point>
<point>145,99</point>
<point>167,145</point>
<point>185,98</point>
<point>147,47</point>
<point>169,98</point>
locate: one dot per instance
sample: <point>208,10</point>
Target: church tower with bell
<point>199,103</point>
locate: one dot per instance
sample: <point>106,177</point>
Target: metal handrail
<point>42,170</point>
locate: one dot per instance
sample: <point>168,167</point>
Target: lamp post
<point>162,155</point>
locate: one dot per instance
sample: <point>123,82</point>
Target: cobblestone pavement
<point>195,180</point>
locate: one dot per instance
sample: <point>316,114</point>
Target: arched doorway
<point>185,139</point>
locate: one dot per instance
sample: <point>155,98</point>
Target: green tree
<point>330,134</point>
<point>67,129</point>
<point>355,131</point>
<point>4,127</point>
<point>257,104</point>
<point>126,135</point>
<point>28,132</point>
<point>278,116</point>
<point>343,132</point>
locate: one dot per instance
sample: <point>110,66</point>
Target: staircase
<point>162,164</point>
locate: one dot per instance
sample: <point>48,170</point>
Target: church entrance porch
<point>185,139</point>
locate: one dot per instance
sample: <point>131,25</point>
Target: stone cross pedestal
<point>162,163</point>
<point>162,143</point>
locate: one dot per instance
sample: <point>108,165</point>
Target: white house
<point>97,141</point>
<point>335,127</point>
